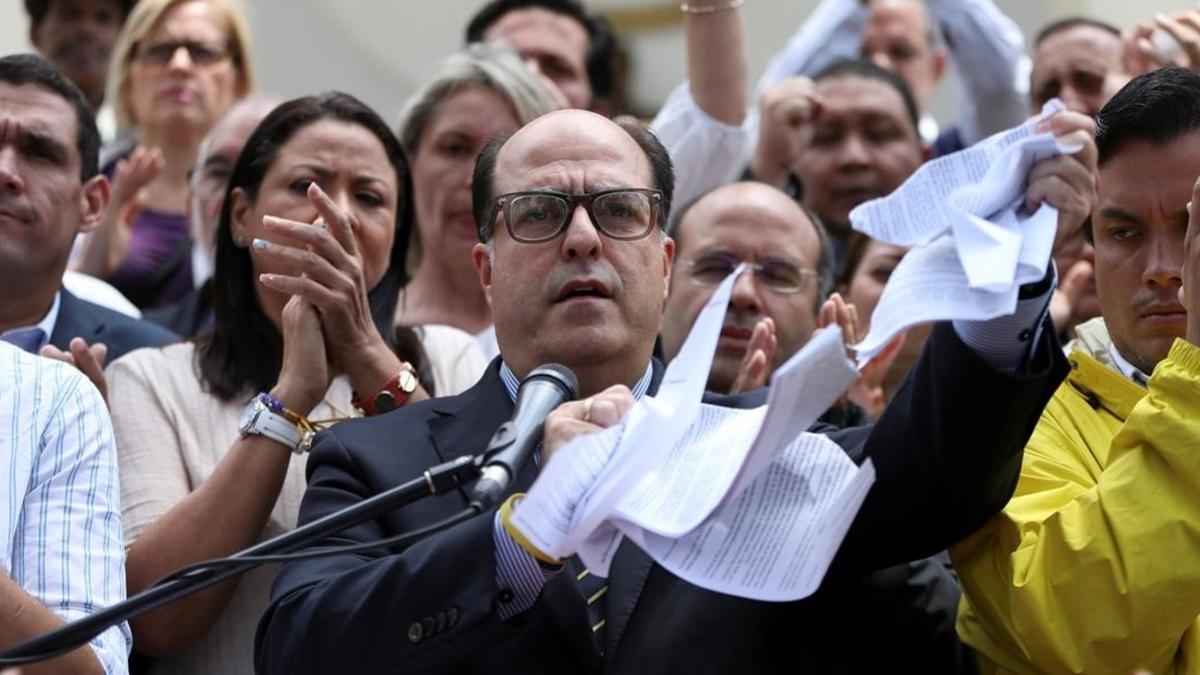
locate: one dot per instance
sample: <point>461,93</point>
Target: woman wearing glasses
<point>177,67</point>
<point>479,93</point>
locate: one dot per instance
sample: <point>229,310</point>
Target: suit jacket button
<point>441,622</point>
<point>428,625</point>
<point>451,616</point>
<point>415,632</point>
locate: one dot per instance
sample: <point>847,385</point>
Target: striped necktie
<point>593,589</point>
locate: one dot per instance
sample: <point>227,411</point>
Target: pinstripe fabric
<point>60,514</point>
<point>1006,343</point>
<point>516,570</point>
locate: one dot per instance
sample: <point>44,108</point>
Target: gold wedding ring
<point>587,409</point>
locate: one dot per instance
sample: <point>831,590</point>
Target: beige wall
<point>380,49</point>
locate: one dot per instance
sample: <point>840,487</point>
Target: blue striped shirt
<point>60,511</point>
<point>518,575</point>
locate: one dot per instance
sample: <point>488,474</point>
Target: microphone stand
<point>435,481</point>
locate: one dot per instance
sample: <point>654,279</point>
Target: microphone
<point>547,387</point>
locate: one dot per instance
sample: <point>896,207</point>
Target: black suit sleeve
<point>445,584</point>
<point>947,451</point>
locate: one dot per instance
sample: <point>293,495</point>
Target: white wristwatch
<point>259,419</point>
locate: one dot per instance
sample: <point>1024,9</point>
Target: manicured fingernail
<point>266,278</point>
<point>261,244</point>
<point>269,221</point>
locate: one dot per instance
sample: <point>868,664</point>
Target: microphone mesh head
<point>559,374</point>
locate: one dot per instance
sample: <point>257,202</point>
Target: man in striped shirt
<point>61,553</point>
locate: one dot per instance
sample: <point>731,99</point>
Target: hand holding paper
<point>983,222</point>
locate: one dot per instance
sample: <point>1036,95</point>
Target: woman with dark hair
<point>311,247</point>
<point>869,266</point>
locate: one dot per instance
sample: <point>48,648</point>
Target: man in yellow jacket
<point>1094,566</point>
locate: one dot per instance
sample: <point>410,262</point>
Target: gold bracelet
<point>505,513</point>
<point>703,9</point>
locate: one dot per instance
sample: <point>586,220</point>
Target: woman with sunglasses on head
<point>177,68</point>
<point>211,435</point>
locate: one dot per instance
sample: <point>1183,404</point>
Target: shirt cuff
<point>519,576</point>
<point>1006,343</point>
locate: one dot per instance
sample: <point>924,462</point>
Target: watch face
<point>249,413</point>
<point>408,381</point>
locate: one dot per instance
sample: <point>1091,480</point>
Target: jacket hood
<point>1095,375</point>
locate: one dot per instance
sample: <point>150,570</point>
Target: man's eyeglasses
<point>200,53</point>
<point>780,276</point>
<point>623,213</point>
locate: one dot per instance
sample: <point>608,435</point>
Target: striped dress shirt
<point>60,512</point>
<point>518,574</point>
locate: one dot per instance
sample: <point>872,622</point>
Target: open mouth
<point>583,289</point>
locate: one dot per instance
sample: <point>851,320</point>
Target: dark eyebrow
<point>1114,213</point>
<point>36,142</point>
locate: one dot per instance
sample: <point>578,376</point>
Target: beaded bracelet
<point>693,9</point>
<point>279,408</point>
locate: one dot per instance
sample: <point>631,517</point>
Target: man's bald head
<point>759,224</point>
<point>552,134</point>
<point>578,276</point>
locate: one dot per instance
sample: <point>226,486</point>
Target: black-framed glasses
<point>200,53</point>
<point>776,274</point>
<point>621,213</point>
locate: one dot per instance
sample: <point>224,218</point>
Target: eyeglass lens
<point>620,215</point>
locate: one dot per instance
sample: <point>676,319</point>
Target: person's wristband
<point>710,9</point>
<point>391,395</point>
<point>505,520</point>
<point>279,408</point>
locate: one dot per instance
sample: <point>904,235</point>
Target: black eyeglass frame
<point>503,204</point>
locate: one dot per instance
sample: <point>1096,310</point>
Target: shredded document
<point>973,243</point>
<point>741,501</point>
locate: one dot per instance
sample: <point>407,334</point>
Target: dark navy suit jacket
<point>947,454</point>
<point>93,323</point>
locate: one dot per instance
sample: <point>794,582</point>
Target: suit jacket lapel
<point>466,422</point>
<point>626,579</point>
<point>74,320</point>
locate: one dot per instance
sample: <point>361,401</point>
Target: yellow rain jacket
<point>1094,566</point>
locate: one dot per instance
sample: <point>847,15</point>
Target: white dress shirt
<point>986,48</point>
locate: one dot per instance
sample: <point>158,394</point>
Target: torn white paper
<point>974,244</point>
<point>776,539</point>
<point>676,467</point>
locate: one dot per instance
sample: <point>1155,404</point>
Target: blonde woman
<point>480,92</point>
<point>177,68</point>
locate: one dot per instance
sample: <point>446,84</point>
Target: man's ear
<point>94,196</point>
<point>668,264</point>
<point>483,266</point>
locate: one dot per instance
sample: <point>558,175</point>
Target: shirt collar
<point>512,384</point>
<point>47,323</point>
<point>1126,368</point>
